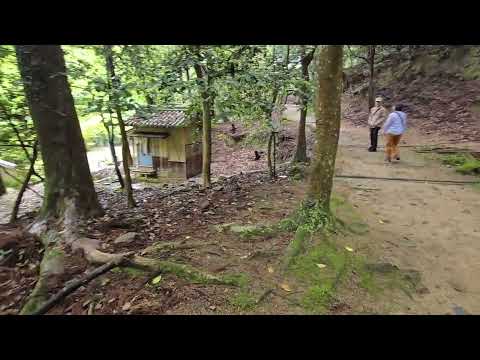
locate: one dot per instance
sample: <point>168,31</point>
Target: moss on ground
<point>241,280</point>
<point>130,271</point>
<point>321,269</point>
<point>322,266</point>
<point>463,163</point>
<point>243,300</point>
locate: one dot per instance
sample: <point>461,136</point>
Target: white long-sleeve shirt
<point>396,123</point>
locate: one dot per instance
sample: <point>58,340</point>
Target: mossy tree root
<point>51,266</point>
<point>296,247</point>
<point>181,270</point>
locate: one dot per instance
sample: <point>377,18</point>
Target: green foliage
<point>243,300</point>
<point>463,163</point>
<point>10,182</point>
<point>241,280</point>
<point>16,126</point>
<point>312,217</point>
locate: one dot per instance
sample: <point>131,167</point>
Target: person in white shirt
<point>378,115</point>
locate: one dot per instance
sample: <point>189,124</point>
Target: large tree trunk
<point>371,84</point>
<point>125,149</point>
<point>31,170</point>
<point>328,112</point>
<point>206,124</point>
<point>301,149</point>
<point>67,175</point>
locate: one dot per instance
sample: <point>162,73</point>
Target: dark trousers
<point>374,138</point>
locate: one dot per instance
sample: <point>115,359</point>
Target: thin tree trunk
<point>301,149</point>
<point>207,124</point>
<point>111,143</point>
<point>371,85</point>
<point>274,154</point>
<point>189,90</point>
<point>3,190</point>
<point>115,84</point>
<point>18,201</point>
<point>67,174</point>
<point>115,162</point>
<point>328,110</point>
<point>269,155</point>
<point>287,61</point>
<point>24,147</point>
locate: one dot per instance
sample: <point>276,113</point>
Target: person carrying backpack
<point>393,130</point>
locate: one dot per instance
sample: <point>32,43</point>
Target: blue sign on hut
<point>165,144</point>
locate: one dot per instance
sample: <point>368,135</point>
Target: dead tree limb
<point>74,285</point>
<point>21,182</point>
<point>30,172</point>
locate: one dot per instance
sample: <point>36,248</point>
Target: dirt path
<point>428,228</point>
<point>434,229</point>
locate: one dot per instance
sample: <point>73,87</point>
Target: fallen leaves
<point>321,266</point>
<point>270,269</point>
<point>285,287</point>
<point>156,279</point>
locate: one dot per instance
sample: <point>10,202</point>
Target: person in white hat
<point>378,115</point>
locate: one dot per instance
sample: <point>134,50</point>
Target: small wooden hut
<point>164,144</point>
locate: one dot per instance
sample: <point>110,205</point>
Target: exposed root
<point>68,289</point>
<point>173,245</point>
<point>182,271</point>
<point>52,264</point>
<point>296,247</point>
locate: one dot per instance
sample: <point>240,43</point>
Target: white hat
<point>379,98</point>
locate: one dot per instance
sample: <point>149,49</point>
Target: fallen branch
<point>67,290</point>
<point>264,295</point>
<point>52,264</point>
<point>183,271</point>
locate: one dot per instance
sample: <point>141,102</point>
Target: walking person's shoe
<point>398,158</point>
<point>372,150</point>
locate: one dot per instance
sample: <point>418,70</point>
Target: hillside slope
<point>439,84</point>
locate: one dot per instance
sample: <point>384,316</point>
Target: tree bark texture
<point>301,148</point>
<point>371,84</point>
<point>328,112</point>
<point>115,84</point>
<point>3,190</point>
<point>67,174</point>
<point>207,106</point>
<point>109,128</point>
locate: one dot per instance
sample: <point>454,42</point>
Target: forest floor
<point>407,248</point>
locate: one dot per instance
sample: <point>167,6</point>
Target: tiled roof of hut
<point>167,118</point>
